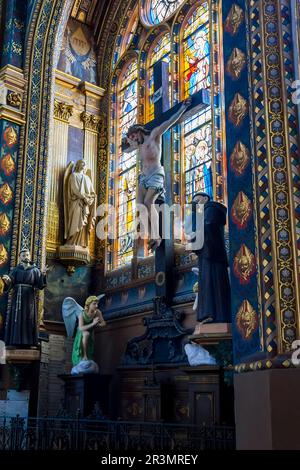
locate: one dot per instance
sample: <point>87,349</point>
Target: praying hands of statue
<point>99,317</point>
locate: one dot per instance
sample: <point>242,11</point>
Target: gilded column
<point>57,165</point>
<point>91,132</point>
<point>91,136</point>
<point>275,137</point>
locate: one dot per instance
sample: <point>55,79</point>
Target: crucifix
<point>164,334</point>
<point>153,142</point>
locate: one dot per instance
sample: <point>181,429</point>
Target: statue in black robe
<point>21,322</point>
<point>213,281</point>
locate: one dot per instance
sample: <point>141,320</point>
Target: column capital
<point>90,121</point>
<point>62,111</point>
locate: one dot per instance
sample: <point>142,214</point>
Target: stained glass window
<point>190,50</point>
<point>197,132</point>
<point>196,47</point>
<point>161,51</point>
<point>126,167</point>
<point>197,155</point>
<point>156,11</point>
<point>125,36</point>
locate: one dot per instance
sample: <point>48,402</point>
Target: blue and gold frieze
<point>277,173</point>
<point>245,304</point>
<point>13,34</point>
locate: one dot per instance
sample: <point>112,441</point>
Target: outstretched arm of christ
<point>160,130</point>
<point>128,145</point>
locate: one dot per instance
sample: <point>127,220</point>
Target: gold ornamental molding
<point>62,111</point>
<point>66,80</point>
<point>92,90</point>
<point>90,122</point>
<point>12,86</point>
<point>11,115</point>
<point>69,81</point>
<point>13,77</point>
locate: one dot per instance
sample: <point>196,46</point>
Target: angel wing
<point>67,174</point>
<point>70,312</point>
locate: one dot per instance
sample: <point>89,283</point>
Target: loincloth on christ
<point>154,180</point>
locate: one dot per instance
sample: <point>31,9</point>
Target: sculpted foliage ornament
<point>238,110</point>
<point>4,224</point>
<point>239,158</point>
<point>244,264</point>
<point>8,165</point>
<point>62,110</point>
<point>234,19</point>
<point>236,63</point>
<point>6,193</point>
<point>10,136</point>
<point>241,210</point>
<point>246,320</point>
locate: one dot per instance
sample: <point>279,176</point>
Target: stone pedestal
<point>22,372</point>
<point>22,356</point>
<point>267,410</point>
<point>83,392</point>
<point>73,256</point>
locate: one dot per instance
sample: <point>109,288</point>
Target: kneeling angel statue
<point>86,319</point>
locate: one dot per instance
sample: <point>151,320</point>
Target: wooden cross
<point>164,254</point>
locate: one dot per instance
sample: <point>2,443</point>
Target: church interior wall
<point>261,136</point>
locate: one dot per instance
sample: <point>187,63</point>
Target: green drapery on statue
<point>77,353</point>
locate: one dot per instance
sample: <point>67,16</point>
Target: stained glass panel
<point>198,155</point>
<point>126,214</point>
<point>125,36</point>
<point>126,166</point>
<point>161,51</point>
<point>156,11</point>
<point>196,46</point>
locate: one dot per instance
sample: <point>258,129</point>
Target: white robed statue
<point>79,204</point>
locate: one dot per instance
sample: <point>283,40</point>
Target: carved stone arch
<point>122,27</point>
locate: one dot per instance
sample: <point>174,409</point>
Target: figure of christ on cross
<point>151,180</point>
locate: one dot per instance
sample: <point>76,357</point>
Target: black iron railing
<point>103,435</point>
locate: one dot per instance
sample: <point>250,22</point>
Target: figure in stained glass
<point>197,56</point>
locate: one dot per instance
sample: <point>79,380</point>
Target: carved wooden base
<point>185,395</point>
<point>212,333</point>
